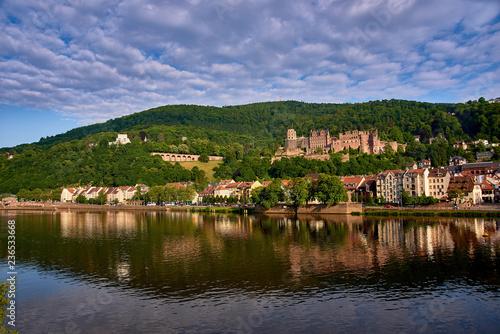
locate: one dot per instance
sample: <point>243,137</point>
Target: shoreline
<point>484,212</point>
<point>94,207</point>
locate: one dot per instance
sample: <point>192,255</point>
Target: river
<point>155,272</point>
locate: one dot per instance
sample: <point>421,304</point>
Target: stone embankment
<point>343,208</point>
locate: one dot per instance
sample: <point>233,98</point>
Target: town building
<point>476,168</point>
<point>487,191</point>
<point>229,188</point>
<point>457,161</point>
<point>9,201</point>
<point>461,144</point>
<point>470,189</point>
<point>439,180</point>
<point>425,163</point>
<point>121,194</point>
<point>351,184</point>
<point>416,182</point>
<point>483,156</point>
<point>368,186</point>
<point>390,185</point>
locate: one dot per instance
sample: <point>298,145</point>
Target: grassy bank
<point>207,167</point>
<point>455,213</point>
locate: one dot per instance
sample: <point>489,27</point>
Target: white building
<point>122,139</point>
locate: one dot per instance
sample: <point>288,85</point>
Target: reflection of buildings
<point>371,246</point>
<point>236,226</point>
<point>98,225</point>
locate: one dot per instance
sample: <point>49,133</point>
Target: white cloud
<point>104,58</point>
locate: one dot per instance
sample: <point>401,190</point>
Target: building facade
<point>439,180</point>
<point>390,185</point>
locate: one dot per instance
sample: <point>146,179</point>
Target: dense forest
<point>268,121</point>
<point>243,134</point>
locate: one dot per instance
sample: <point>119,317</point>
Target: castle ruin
<point>366,141</point>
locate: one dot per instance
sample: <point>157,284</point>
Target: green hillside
<point>269,120</point>
<point>242,134</point>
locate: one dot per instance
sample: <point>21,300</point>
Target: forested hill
<point>243,134</point>
<point>268,121</point>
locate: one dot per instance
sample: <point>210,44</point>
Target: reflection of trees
<point>183,254</point>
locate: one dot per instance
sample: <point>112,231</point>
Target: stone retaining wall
<point>341,209</point>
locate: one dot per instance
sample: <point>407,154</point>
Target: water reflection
<point>165,253</point>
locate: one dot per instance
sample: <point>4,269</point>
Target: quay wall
<point>343,208</point>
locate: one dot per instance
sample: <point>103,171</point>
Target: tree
<point>186,194</point>
<point>36,194</point>
<point>170,193</point>
<point>101,198</point>
<point>330,190</point>
<point>407,199</point>
<point>319,150</point>
<point>23,194</point>
<point>81,199</point>
<point>157,194</point>
<point>183,148</point>
<point>298,193</point>
<point>138,194</point>
<point>268,196</point>
<point>455,194</point>
<point>173,149</point>
<point>55,194</point>
<point>480,147</point>
<point>388,150</point>
<point>204,158</point>
<point>369,199</point>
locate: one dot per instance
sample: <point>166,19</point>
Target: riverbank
<point>430,213</point>
<point>486,211</point>
<point>79,207</point>
<point>93,207</point>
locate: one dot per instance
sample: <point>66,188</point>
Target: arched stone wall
<point>175,157</point>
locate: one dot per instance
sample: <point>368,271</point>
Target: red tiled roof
<point>175,184</point>
<point>266,183</point>
<point>486,185</point>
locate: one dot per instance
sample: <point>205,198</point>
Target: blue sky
<point>69,63</point>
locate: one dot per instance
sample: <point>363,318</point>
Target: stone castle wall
<point>367,141</point>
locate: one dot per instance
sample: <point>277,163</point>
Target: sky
<point>65,64</point>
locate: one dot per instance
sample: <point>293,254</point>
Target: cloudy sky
<point>68,63</point>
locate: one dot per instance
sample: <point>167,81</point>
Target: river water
<point>125,272</point>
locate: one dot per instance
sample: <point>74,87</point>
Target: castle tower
<point>291,139</point>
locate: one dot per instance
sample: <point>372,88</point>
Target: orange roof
<point>266,183</point>
<point>175,184</point>
<point>416,171</point>
<point>486,185</point>
<point>352,182</point>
